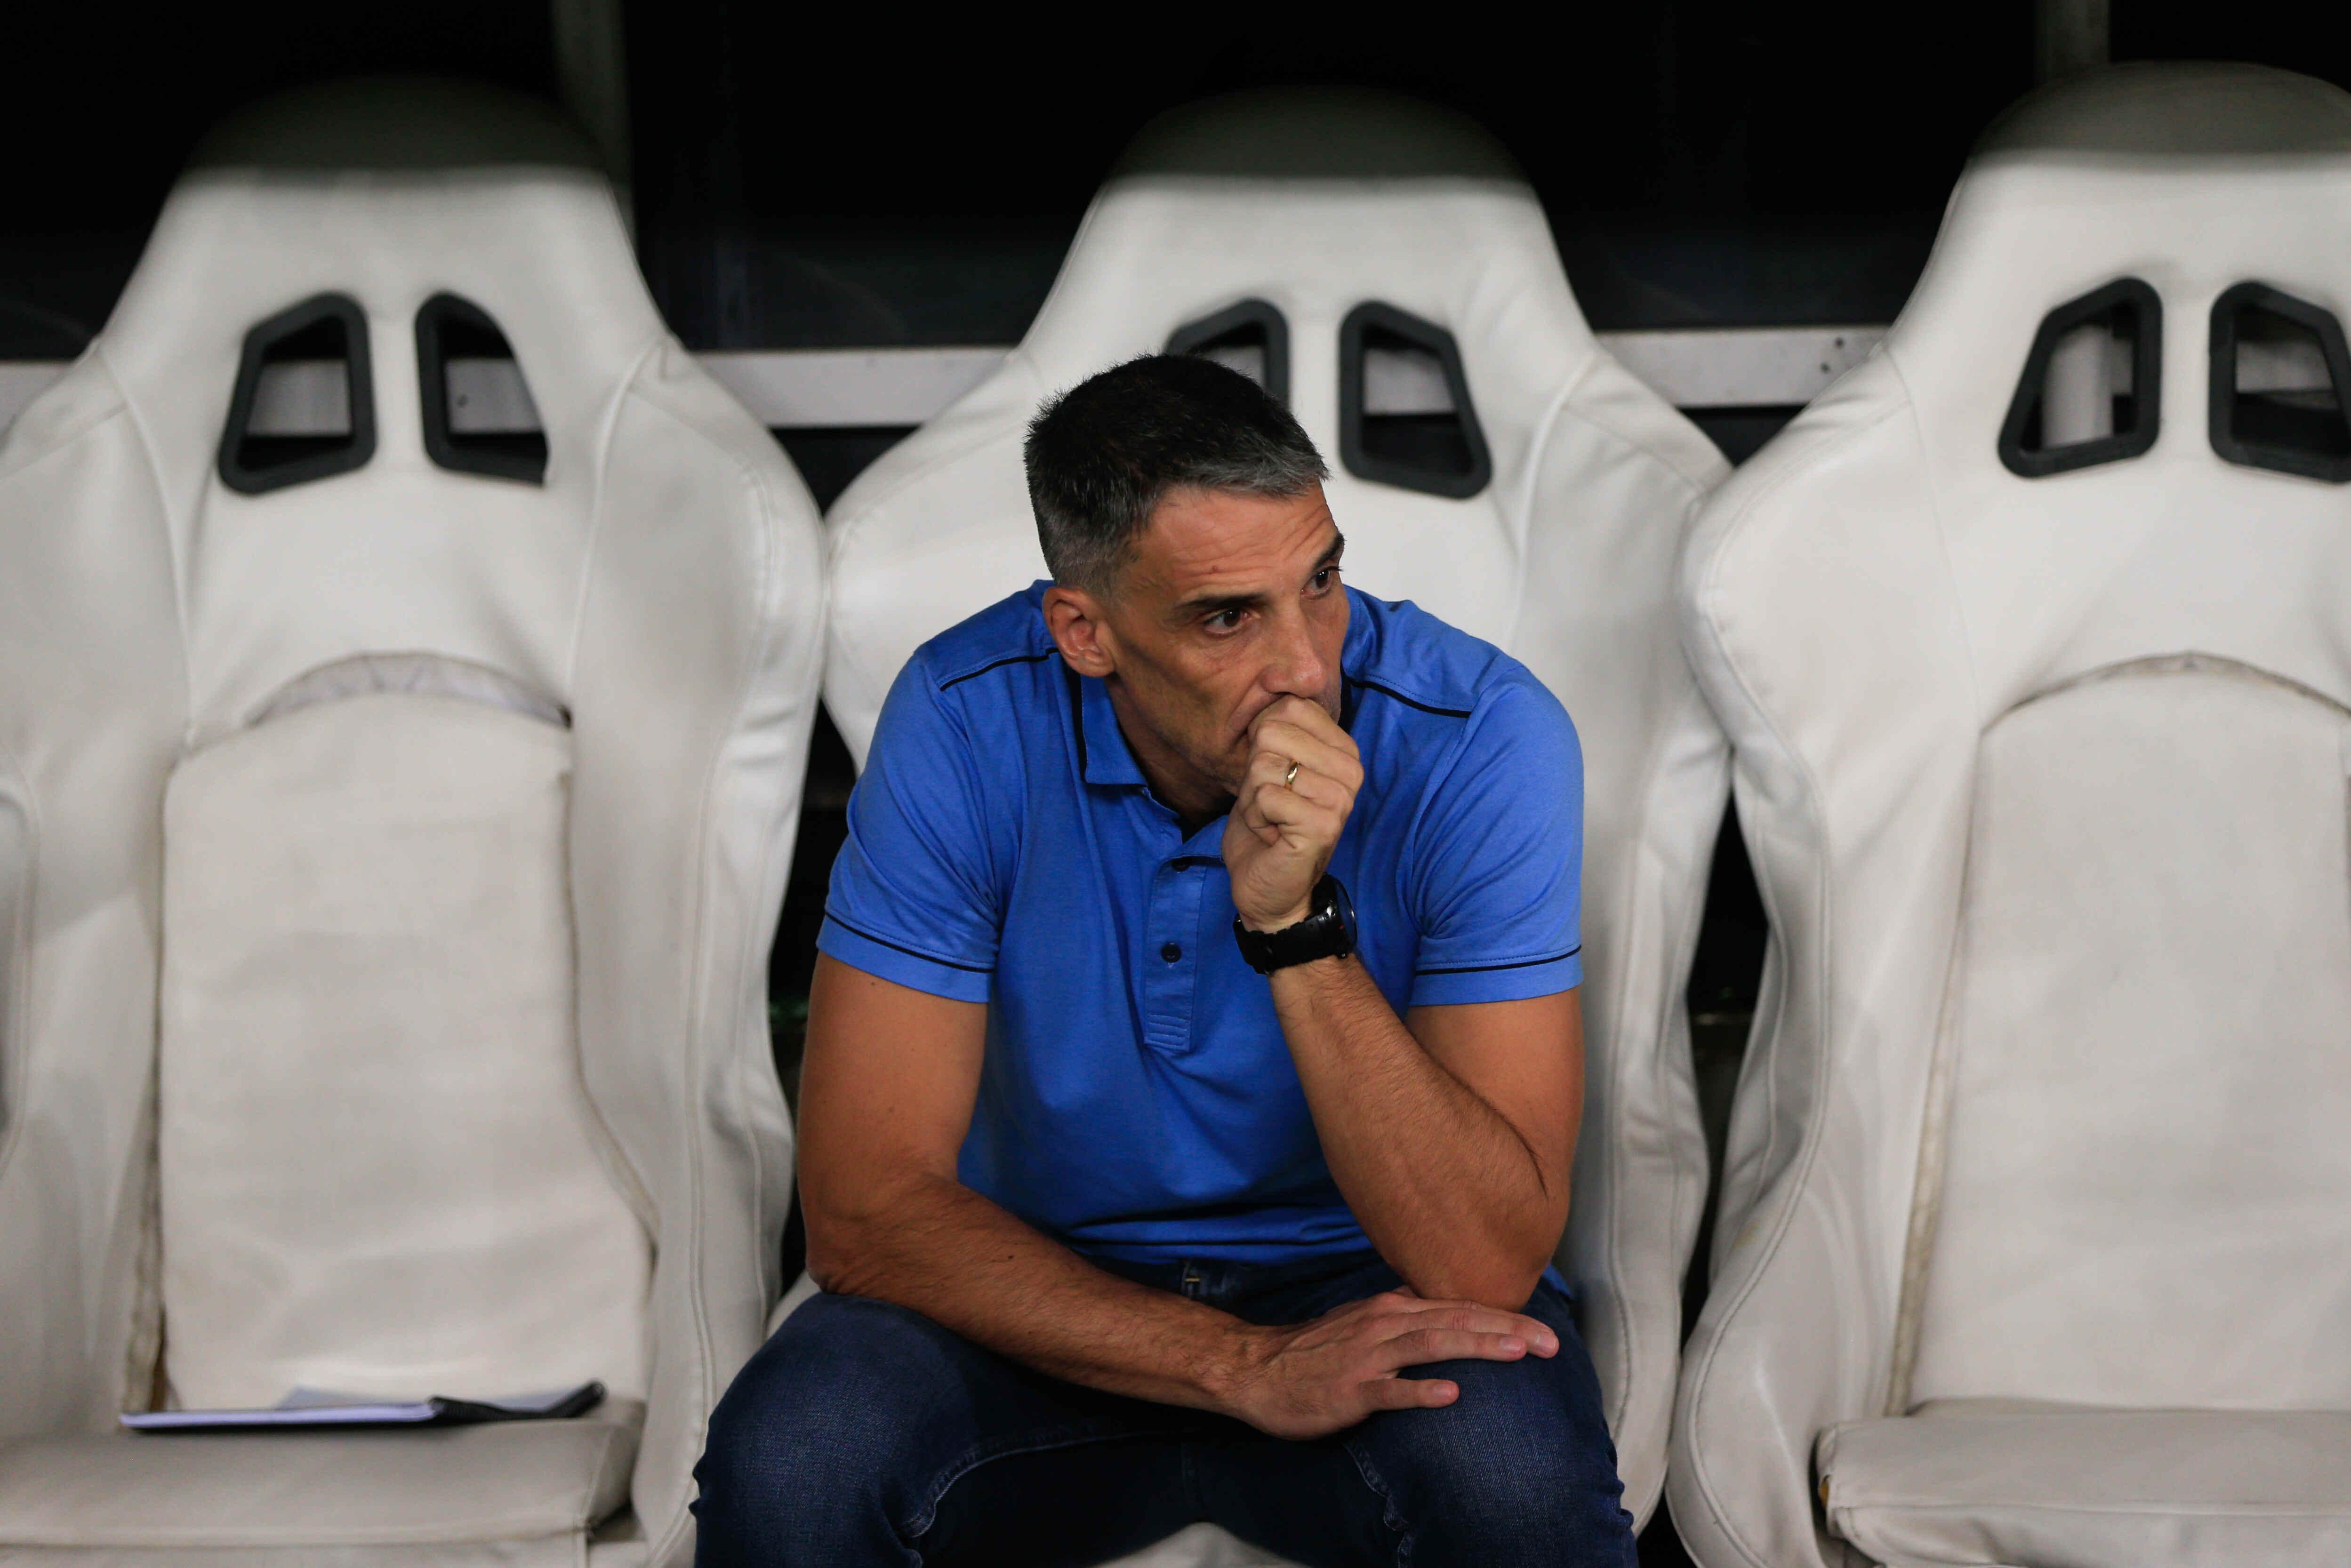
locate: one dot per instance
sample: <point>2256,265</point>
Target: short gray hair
<point>1103,454</point>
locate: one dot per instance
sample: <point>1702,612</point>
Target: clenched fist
<point>1285,818</point>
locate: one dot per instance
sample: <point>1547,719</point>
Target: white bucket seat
<point>399,758</point>
<point>2034,641</point>
<point>1383,267</point>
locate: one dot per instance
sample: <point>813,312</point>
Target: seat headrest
<point>2123,391</point>
<point>394,123</point>
<point>2166,111</point>
<point>390,191</point>
<point>2141,274</point>
<point>1297,207</point>
<point>1377,263</point>
<point>1316,133</point>
<point>374,347</point>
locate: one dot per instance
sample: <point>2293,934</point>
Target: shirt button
<point>1171,952</point>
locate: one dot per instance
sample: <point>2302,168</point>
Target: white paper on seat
<point>379,1169</point>
<point>319,1408</point>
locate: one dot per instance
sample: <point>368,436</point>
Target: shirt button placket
<point>1168,972</point>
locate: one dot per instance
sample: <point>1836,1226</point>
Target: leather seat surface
<point>506,1481</point>
<point>2032,639</point>
<point>192,567</point>
<point>1995,1481</point>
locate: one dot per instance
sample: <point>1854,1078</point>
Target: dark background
<point>891,178</point>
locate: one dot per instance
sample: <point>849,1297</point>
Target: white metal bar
<point>822,388</point>
<point>800,388</point>
<point>1742,367</point>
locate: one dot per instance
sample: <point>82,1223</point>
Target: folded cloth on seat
<point>1996,1481</point>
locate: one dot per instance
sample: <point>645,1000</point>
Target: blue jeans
<point>864,1433</point>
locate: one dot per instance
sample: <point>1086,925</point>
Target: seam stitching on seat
<point>838,536</point>
<point>1795,1184</point>
<point>697,902</point>
<point>171,536</point>
<point>17,1023</point>
<point>1537,451</point>
<point>1942,1064</point>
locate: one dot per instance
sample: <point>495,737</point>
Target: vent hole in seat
<point>1250,336</point>
<point>303,406</point>
<point>1404,415</point>
<point>476,407</point>
<point>2090,387</point>
<point>2279,367</point>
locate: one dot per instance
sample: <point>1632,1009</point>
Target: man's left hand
<point>1285,824</point>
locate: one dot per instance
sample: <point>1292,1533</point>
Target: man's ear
<point>1080,630</point>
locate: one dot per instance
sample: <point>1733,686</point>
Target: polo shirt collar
<point>1102,745</point>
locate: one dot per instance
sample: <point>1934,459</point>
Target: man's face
<point>1227,603</point>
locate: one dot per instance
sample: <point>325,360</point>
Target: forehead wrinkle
<point>1232,554</point>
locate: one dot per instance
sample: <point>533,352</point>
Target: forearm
<point>1450,1193</point>
<point>936,1246</point>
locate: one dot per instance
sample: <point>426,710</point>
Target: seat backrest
<point>1383,267</point>
<point>410,660</point>
<point>2031,639</point>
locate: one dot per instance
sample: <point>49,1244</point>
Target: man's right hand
<point>1308,1380</point>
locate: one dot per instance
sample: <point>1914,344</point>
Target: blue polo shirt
<point>1137,1098</point>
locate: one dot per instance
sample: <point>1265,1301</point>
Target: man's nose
<point>1297,668</point>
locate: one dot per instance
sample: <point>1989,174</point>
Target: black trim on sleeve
<point>975,675</point>
<point>1521,963</point>
<point>910,952</point>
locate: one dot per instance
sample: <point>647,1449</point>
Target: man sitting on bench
<point>1193,1065</point>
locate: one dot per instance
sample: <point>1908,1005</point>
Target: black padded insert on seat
<point>287,387</point>
<point>1250,336</point>
<point>2279,373</point>
<point>2092,385</point>
<point>1419,431</point>
<point>463,431</point>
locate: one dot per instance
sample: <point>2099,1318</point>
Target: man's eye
<point>1322,580</point>
<point>1223,620</point>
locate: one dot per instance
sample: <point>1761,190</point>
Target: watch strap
<point>1327,932</point>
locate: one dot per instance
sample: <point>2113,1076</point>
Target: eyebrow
<point>1214,605</point>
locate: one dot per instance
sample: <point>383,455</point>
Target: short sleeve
<point>1497,862</point>
<point>913,898</point>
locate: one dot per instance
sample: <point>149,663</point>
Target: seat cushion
<point>381,1172</point>
<point>1998,1481</point>
<point>528,1489</point>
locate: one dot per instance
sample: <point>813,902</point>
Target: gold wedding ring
<point>1290,778</point>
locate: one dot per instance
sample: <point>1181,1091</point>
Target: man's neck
<point>1194,797</point>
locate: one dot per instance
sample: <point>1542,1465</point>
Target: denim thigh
<point>865,1433</point>
<point>1518,1471</point>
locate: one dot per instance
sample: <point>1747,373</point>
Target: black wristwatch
<point>1327,932</point>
